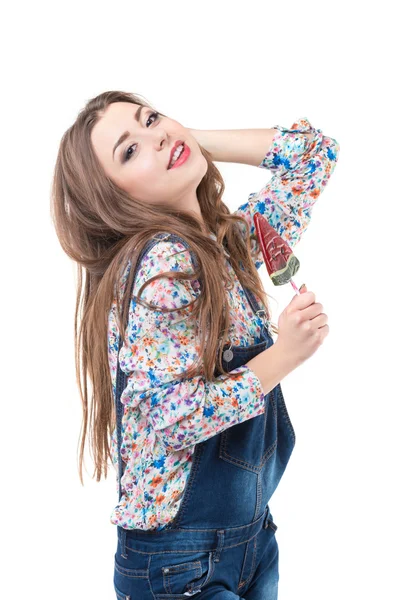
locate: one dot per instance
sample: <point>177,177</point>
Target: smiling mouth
<point>171,164</point>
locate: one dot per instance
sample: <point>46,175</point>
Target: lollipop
<point>280,261</point>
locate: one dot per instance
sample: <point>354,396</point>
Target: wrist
<point>286,358</point>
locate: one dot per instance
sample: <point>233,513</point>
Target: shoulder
<point>165,255</point>
<point>169,251</point>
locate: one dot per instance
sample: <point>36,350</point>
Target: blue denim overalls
<point>221,544</point>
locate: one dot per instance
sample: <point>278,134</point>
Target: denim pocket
<point>131,579</point>
<point>250,444</point>
<point>121,595</point>
<point>176,575</point>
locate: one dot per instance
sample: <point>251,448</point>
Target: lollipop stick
<point>295,287</point>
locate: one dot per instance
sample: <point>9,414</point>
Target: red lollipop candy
<point>280,261</point>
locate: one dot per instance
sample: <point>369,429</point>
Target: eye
<point>128,155</point>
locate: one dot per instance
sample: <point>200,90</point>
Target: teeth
<point>176,155</point>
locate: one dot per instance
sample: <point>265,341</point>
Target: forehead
<point>117,118</point>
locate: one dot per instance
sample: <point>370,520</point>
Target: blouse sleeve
<point>302,160</point>
<point>160,346</point>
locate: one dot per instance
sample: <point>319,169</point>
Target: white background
<point>210,65</point>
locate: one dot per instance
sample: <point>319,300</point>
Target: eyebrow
<point>126,134</point>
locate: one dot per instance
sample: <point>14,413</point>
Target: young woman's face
<point>139,164</point>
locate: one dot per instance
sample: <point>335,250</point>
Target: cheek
<point>145,179</point>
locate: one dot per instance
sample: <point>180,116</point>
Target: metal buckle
<point>264,320</point>
<point>228,354</point>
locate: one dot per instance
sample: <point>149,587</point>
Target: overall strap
<point>257,307</point>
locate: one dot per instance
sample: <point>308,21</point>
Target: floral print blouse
<point>163,422</point>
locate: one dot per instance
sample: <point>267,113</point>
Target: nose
<point>160,138</point>
<point>161,143</point>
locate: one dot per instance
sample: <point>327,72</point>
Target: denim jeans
<point>222,542</point>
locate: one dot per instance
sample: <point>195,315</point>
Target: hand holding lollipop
<point>298,342</point>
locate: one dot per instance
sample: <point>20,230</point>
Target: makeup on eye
<point>127,156</point>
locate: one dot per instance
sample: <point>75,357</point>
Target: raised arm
<point>302,161</point>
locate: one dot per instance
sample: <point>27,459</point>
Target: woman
<point>186,398</point>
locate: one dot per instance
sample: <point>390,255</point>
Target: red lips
<point>174,147</point>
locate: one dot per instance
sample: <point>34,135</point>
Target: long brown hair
<point>102,228</point>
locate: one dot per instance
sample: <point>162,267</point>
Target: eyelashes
<point>127,156</point>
